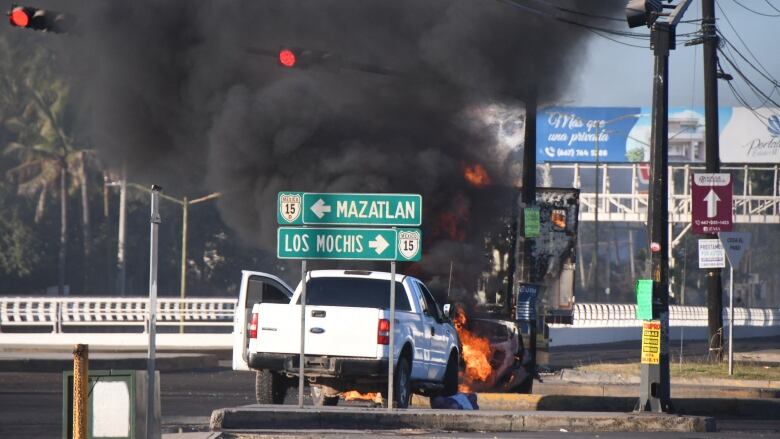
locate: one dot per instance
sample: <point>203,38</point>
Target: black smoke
<point>188,93</point>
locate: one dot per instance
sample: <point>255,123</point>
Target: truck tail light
<point>383,332</point>
<point>253,325</point>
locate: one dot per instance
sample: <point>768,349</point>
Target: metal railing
<point>629,201</point>
<point>58,313</point>
<point>94,311</point>
<point>595,315</point>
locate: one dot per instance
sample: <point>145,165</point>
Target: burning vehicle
<point>492,352</point>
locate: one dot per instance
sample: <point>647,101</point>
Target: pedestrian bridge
<point>620,194</point>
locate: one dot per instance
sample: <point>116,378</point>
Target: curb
<point>716,407</point>
<point>259,417</point>
<point>580,377</point>
<point>557,387</point>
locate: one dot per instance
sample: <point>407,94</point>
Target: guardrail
<point>94,311</point>
<point>592,323</point>
<point>597,315</point>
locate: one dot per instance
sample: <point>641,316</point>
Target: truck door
<point>437,332</point>
<point>255,288</point>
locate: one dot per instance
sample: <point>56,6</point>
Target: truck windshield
<point>355,292</point>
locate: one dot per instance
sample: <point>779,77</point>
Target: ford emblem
<point>316,330</point>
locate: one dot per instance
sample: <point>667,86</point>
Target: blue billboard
<point>623,134</point>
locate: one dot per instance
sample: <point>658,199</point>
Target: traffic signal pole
<point>654,392</point>
<point>712,162</point>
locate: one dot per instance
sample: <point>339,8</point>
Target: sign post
<point>711,203</point>
<point>349,243</point>
<point>735,245</point>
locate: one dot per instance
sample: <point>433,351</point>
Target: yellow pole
<point>80,378</point>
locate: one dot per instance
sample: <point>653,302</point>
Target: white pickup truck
<point>347,336</point>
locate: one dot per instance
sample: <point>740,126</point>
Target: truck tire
<point>270,388</point>
<point>320,398</point>
<point>402,385</point>
<point>451,376</point>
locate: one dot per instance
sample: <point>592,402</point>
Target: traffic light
<point>642,12</point>
<point>291,57</point>
<point>37,19</point>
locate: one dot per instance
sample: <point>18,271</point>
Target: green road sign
<point>349,243</point>
<point>298,208</point>
<point>531,222</point>
<point>644,299</point>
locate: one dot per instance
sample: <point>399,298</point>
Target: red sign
<point>711,206</point>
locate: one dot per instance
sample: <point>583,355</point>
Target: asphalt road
<point>31,407</point>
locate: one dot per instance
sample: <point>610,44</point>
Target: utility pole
<point>152,428</point>
<point>654,391</point>
<point>525,245</point>
<point>712,148</point>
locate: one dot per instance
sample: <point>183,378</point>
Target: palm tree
<point>46,153</point>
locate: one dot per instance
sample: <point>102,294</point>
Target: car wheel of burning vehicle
<point>320,397</point>
<point>402,386</point>
<point>451,376</point>
<point>270,388</point>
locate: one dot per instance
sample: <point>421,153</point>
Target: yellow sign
<point>651,342</point>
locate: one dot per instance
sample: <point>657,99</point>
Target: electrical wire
<point>757,12</point>
<point>772,6</point>
<point>747,46</point>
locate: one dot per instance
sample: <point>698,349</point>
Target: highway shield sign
<point>711,203</point>
<point>349,209</point>
<point>367,244</point>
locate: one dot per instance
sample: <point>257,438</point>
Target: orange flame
<point>354,395</point>
<point>476,354</point>
<point>476,175</point>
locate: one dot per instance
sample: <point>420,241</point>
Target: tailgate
<point>330,330</point>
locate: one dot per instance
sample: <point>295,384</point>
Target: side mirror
<point>447,309</point>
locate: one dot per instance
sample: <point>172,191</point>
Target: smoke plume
<point>190,95</point>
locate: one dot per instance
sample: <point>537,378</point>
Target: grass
<point>694,369</point>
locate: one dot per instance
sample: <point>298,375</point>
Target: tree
<point>44,149</point>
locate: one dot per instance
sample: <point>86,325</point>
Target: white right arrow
<point>379,244</point>
<point>712,204</point>
<point>320,208</point>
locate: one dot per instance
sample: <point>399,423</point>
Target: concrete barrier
<point>276,417</point>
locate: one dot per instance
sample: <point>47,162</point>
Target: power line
<point>757,12</point>
<point>747,46</point>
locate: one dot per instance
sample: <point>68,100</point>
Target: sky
<point>618,75</point>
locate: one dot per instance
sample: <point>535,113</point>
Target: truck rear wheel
<point>270,387</point>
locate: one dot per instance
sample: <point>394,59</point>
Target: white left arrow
<point>712,204</point>
<point>379,244</point>
<point>320,208</point>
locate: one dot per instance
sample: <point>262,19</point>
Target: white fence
<point>58,313</point>
<point>66,319</point>
<point>595,323</point>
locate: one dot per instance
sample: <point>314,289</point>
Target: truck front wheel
<point>270,387</point>
<point>451,376</point>
<point>402,386</point>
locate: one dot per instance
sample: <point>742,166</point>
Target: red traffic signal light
<point>20,17</point>
<point>287,58</point>
<point>37,19</point>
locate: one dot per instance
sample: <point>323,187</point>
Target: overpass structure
<point>120,323</point>
<point>623,189</point>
